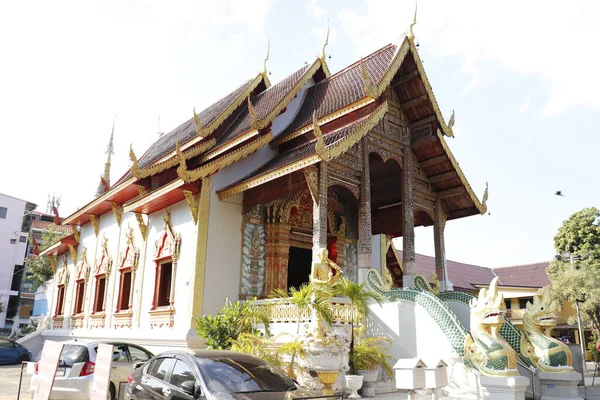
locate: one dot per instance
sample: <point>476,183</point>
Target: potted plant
<point>358,297</point>
<point>368,354</point>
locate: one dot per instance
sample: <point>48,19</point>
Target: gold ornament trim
<point>252,113</point>
<point>53,262</point>
<point>329,153</point>
<point>229,145</point>
<point>322,55</point>
<point>264,71</point>
<point>201,246</point>
<point>225,161</point>
<point>142,190</point>
<point>170,160</point>
<point>76,234</point>
<point>117,210</point>
<point>411,35</point>
<point>73,253</point>
<point>370,90</point>
<point>198,124</point>
<point>141,224</point>
<point>95,223</point>
<point>192,204</point>
<point>153,195</point>
<point>324,120</point>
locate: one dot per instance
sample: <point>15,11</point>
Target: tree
<point>40,266</point>
<point>579,281</point>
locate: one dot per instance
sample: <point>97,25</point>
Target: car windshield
<point>239,374</point>
<point>73,353</point>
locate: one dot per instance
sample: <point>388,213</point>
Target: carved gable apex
<point>168,241</point>
<point>82,270</point>
<point>104,263</point>
<point>129,258</point>
<point>62,277</point>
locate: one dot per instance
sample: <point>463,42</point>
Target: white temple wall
<point>109,229</point>
<point>129,220</point>
<point>224,248</point>
<point>182,224</point>
<point>414,333</point>
<point>283,120</point>
<point>70,291</point>
<point>88,239</point>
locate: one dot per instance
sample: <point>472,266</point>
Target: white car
<point>76,368</point>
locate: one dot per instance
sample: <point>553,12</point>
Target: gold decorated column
<point>408,226</point>
<point>365,231</point>
<point>320,212</point>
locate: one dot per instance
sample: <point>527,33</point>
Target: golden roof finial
<point>134,161</point>
<point>264,70</point>
<point>253,117</point>
<point>322,55</point>
<point>485,197</point>
<point>451,120</point>
<point>411,35</point>
<point>198,124</point>
<point>320,144</point>
<point>370,90</point>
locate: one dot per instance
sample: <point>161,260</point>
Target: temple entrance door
<point>299,266</point>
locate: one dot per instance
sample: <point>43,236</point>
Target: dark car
<point>211,375</point>
<point>12,352</point>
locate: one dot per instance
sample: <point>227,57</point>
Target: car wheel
<point>23,357</point>
<point>112,392</point>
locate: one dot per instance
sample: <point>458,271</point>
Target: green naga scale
<point>481,349</point>
<point>539,319</point>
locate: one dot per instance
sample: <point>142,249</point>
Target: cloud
<point>526,104</point>
<point>550,41</point>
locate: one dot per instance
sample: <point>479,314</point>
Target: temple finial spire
<point>411,35</point>
<point>104,184</point>
<point>322,55</point>
<point>264,70</point>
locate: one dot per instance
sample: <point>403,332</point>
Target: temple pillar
<point>320,211</point>
<point>441,266</point>
<point>408,212</point>
<point>365,231</point>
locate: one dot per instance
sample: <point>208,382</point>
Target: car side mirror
<point>138,364</point>
<point>191,388</point>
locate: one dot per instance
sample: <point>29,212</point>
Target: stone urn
<point>354,383</point>
<point>370,377</point>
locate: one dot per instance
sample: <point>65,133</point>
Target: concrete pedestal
<point>503,388</point>
<point>559,385</point>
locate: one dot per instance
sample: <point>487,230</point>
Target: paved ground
<point>9,383</point>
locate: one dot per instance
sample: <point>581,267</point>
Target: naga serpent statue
<point>496,357</point>
<point>539,319</point>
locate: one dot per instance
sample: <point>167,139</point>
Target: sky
<point>522,77</point>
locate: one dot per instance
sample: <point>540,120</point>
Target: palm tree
<point>358,297</point>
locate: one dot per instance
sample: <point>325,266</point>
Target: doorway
<point>299,265</point>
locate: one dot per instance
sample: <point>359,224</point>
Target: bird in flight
<point>559,193</point>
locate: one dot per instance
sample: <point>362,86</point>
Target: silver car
<point>77,364</point>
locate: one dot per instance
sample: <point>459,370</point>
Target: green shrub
<point>231,321</point>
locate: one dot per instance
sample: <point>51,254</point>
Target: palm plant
<point>309,297</point>
<point>358,297</point>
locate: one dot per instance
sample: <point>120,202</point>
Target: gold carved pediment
<point>82,269</point>
<point>129,258</point>
<point>168,242</point>
<point>104,263</point>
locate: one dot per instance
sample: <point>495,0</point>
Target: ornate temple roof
<point>341,89</point>
<point>340,106</point>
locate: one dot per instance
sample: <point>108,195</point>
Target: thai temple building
<point>239,200</point>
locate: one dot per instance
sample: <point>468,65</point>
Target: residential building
<point>14,228</point>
